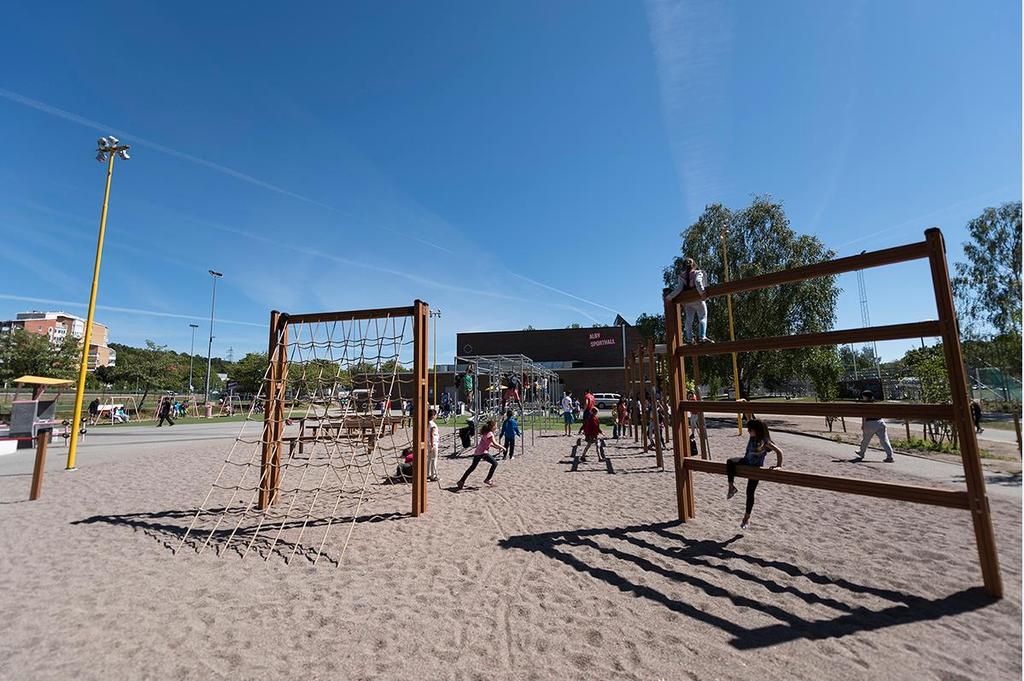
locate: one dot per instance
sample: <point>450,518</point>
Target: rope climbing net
<point>340,438</point>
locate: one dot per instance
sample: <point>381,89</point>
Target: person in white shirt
<point>567,413</point>
<point>691,279</point>
<point>433,444</point>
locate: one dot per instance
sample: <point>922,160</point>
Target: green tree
<point>759,240</point>
<point>145,369</point>
<point>23,352</point>
<point>250,371</point>
<point>574,325</point>
<point>928,366</point>
<point>988,285</point>
<point>651,327</point>
<point>824,369</point>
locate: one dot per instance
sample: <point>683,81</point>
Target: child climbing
<point>482,453</point>
<point>758,446</point>
<point>591,430</point>
<point>509,431</point>
<point>693,279</point>
<point>467,388</point>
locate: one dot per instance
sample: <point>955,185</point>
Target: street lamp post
<point>732,333</point>
<point>437,315</point>
<point>191,357</point>
<point>108,148</point>
<point>209,347</point>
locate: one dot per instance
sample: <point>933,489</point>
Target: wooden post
<point>906,424</point>
<point>973,473</point>
<point>1016,426</point>
<point>681,438</point>
<point>702,434</point>
<point>638,403</point>
<point>37,472</point>
<point>421,312</point>
<point>281,378</point>
<point>645,415</point>
<point>664,371</point>
<point>269,408</point>
<point>652,369</point>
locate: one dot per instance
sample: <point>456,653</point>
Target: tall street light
<point>437,315</point>
<point>732,334</point>
<point>192,356</point>
<point>209,348</point>
<point>107,149</point>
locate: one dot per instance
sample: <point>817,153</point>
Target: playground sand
<point>551,574</point>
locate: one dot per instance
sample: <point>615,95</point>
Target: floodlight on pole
<point>107,149</point>
<point>437,315</point>
<point>191,357</point>
<point>732,333</point>
<point>209,348</point>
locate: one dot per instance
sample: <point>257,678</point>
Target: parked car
<point>606,400</point>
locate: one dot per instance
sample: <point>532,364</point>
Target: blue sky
<point>511,163</point>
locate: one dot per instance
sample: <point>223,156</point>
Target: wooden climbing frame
<point>945,327</point>
<point>277,381</point>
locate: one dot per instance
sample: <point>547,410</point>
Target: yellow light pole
<point>436,314</point>
<point>108,149</point>
<point>732,333</point>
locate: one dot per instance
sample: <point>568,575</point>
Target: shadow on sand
<point>250,535</point>
<point>683,553</point>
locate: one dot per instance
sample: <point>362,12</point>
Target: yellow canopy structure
<point>43,380</point>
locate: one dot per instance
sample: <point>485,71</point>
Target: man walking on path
<point>872,426</point>
<point>164,412</point>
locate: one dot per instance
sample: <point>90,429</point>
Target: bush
<point>925,445</point>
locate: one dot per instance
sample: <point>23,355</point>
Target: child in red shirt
<point>591,430</point>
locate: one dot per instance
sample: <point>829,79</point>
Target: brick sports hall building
<point>583,358</point>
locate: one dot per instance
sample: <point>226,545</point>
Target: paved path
<point>103,444</point>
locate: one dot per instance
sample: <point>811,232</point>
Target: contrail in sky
<point>244,177</point>
<point>129,310</point>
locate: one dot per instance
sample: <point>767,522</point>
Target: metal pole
<point>191,358</point>
<point>83,370</point>
<point>209,347</point>
<point>732,334</point>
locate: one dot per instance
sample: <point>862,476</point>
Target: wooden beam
<point>277,422</point>
<point>680,438</point>
<point>270,396</point>
<point>36,489</point>
<point>887,256</point>
<point>419,406</point>
<point>351,315</point>
<point>974,476</point>
<point>869,488</point>
<point>659,460</point>
<point>926,329</point>
<point>890,410</point>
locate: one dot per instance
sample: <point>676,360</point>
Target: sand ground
<point>554,573</point>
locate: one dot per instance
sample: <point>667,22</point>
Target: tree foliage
<point>824,369</point>
<point>988,285</point>
<point>24,352</point>
<point>928,365</point>
<point>651,327</point>
<point>760,240</point>
<point>250,371</point>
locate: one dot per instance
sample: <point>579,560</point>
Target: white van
<point>606,400</point>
